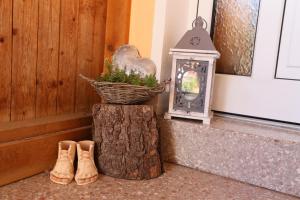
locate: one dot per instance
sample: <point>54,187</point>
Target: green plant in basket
<point>120,76</point>
<point>134,79</point>
<point>150,81</point>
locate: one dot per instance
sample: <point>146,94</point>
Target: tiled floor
<point>177,182</point>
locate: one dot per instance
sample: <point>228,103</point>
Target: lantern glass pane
<point>190,85</point>
<point>234,32</point>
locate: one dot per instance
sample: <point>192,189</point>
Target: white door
<point>289,55</point>
<point>270,88</point>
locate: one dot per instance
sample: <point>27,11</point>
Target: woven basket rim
<point>95,82</point>
<point>124,93</point>
<point>125,84</point>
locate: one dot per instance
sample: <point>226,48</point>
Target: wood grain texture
<point>25,28</point>
<point>127,141</point>
<point>5,58</point>
<point>47,59</point>
<point>117,25</point>
<point>98,45</point>
<point>25,158</point>
<point>68,56</point>
<point>30,128</point>
<point>40,43</point>
<point>87,11</point>
<point>91,38</point>
<point>44,45</point>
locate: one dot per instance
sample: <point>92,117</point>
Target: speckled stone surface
<point>261,155</point>
<point>178,183</point>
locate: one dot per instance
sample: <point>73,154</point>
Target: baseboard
<point>22,156</point>
<point>12,131</point>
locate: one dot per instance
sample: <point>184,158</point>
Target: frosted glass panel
<point>234,32</point>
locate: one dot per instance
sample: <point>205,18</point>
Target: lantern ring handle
<point>205,27</point>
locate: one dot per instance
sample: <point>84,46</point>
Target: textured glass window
<point>234,32</point>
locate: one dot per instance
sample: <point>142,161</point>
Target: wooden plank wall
<point>24,54</point>
<point>47,60</point>
<point>44,45</point>
<point>117,27</point>
<point>5,58</point>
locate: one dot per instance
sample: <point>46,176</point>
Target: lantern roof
<point>196,40</point>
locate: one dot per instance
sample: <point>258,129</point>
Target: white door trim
<point>288,65</point>
<point>261,95</point>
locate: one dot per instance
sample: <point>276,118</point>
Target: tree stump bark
<point>127,141</point>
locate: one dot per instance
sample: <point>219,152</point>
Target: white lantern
<point>193,70</point>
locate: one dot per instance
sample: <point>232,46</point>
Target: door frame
<point>262,81</point>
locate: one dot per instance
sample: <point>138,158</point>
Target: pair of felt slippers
<point>63,171</point>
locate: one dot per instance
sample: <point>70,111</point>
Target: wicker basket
<point>123,93</point>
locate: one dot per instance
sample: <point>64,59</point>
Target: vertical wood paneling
<point>5,58</point>
<point>85,52</point>
<point>47,63</point>
<point>25,26</point>
<point>99,43</point>
<point>68,56</point>
<point>45,44</point>
<point>91,38</point>
<point>117,25</point>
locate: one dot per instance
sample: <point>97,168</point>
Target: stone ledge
<point>262,155</point>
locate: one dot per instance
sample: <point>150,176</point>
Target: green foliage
<point>134,79</point>
<point>120,76</point>
<point>150,81</point>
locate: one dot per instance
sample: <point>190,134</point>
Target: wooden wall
<point>44,45</point>
<point>117,26</point>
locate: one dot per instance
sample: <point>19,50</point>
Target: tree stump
<point>127,141</point>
